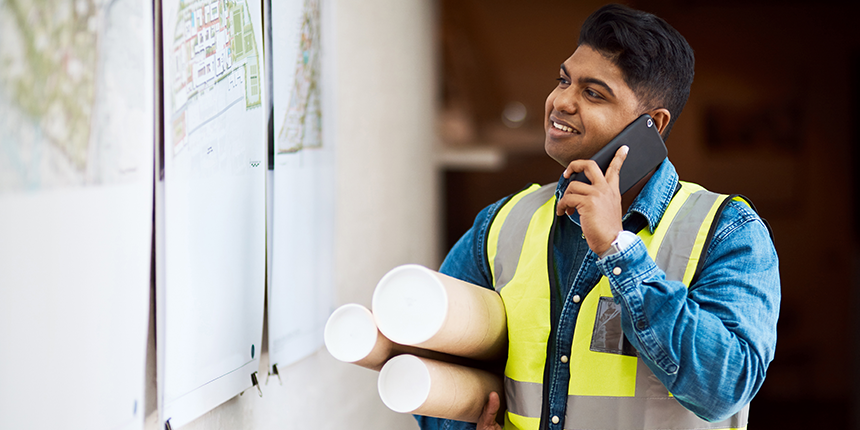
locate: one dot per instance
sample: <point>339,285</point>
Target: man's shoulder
<point>737,208</point>
<point>736,216</point>
<point>739,213</point>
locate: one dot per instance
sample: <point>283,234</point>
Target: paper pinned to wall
<point>301,292</point>
<point>76,163</point>
<point>210,299</point>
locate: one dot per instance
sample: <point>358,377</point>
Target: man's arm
<point>709,345</point>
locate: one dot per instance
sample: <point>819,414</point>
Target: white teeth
<point>562,127</point>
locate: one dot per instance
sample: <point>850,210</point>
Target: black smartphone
<point>647,151</point>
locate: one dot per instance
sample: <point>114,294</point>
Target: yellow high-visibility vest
<point>610,386</point>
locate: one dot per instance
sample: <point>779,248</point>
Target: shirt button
<point>672,368</point>
<point>555,419</point>
<point>576,298</point>
<point>582,235</point>
<point>640,324</point>
<point>616,271</point>
<point>564,359</point>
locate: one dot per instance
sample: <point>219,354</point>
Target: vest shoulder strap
<point>508,230</point>
<point>727,198</point>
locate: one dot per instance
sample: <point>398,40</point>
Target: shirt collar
<point>651,202</point>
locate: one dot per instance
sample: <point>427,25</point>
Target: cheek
<point>548,105</point>
<point>599,123</point>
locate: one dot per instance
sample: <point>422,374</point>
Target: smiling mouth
<point>564,128</point>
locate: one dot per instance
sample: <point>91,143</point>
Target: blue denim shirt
<point>710,344</point>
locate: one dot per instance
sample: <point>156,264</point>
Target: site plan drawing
<point>210,299</point>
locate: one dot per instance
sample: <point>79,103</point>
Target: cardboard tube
<point>416,306</point>
<point>422,386</point>
<point>351,336</point>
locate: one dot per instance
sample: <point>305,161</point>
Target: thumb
<point>487,421</point>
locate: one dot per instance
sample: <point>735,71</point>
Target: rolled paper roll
<point>351,336</point>
<point>423,386</point>
<point>416,306</point>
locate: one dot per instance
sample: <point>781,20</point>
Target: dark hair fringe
<point>655,60</point>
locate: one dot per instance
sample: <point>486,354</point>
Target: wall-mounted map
<point>74,110</point>
<point>301,125</point>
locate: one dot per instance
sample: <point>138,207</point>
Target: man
<point>655,309</point>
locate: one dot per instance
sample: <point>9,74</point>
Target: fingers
<point>488,414</point>
<point>577,192</point>
<point>590,167</point>
<point>592,170</point>
<point>570,200</point>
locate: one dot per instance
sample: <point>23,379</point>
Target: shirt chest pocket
<point>607,335</point>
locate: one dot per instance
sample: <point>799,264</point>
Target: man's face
<point>590,106</point>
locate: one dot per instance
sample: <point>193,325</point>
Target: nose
<point>566,101</point>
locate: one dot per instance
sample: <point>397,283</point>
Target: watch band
<point>622,241</point>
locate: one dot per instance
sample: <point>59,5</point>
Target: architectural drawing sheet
<point>76,163</point>
<point>210,299</point>
<point>301,291</point>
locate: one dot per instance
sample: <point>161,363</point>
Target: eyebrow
<point>587,80</point>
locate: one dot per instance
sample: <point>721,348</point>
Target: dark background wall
<point>771,116</point>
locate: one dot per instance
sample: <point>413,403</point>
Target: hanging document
<point>211,290</point>
<point>301,291</point>
<point>76,163</point>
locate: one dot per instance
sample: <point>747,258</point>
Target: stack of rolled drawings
<point>436,341</point>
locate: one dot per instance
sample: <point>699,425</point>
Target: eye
<point>562,81</point>
<point>593,94</point>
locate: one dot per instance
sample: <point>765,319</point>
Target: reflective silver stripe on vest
<point>523,398</point>
<point>651,411</point>
<point>674,252</point>
<point>512,235</point>
<point>646,413</point>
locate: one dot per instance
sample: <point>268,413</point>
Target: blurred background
<point>772,116</point>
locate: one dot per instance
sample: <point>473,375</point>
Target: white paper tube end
<point>404,383</point>
<point>350,333</point>
<point>410,304</point>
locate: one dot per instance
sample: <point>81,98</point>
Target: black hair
<point>655,60</point>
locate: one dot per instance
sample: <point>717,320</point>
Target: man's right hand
<point>488,414</point>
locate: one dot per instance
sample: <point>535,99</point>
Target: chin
<point>554,155</point>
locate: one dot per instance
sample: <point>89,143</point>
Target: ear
<point>661,118</point>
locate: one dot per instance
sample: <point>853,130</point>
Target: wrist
<point>622,241</point>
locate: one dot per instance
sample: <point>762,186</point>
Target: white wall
<point>380,59</point>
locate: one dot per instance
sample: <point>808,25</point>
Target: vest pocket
<point>607,335</point>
